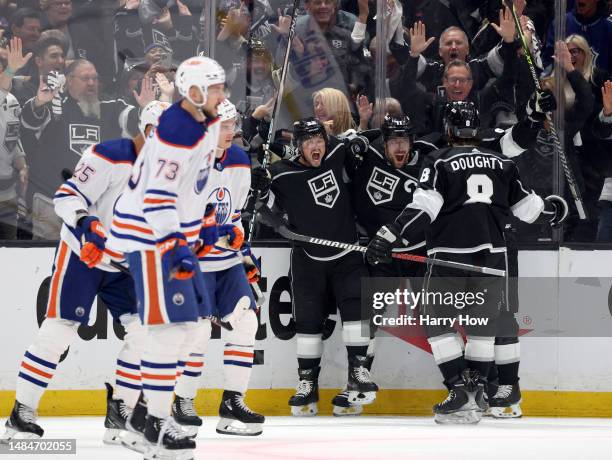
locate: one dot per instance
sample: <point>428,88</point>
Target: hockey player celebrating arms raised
<point>311,191</point>
<point>156,219</point>
<point>464,199</point>
<point>227,289</point>
<point>81,271</point>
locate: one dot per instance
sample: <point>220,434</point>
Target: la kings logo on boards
<point>83,136</point>
<point>324,188</point>
<point>381,186</point>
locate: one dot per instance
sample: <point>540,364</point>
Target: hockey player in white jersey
<point>156,220</point>
<point>81,271</point>
<point>227,273</point>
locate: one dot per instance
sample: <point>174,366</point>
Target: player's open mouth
<point>316,156</point>
<point>400,157</point>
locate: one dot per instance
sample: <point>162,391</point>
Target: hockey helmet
<point>462,119</point>
<point>201,72</point>
<point>150,115</point>
<point>227,111</point>
<point>397,127</point>
<point>307,128</point>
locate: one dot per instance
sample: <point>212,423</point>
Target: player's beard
<point>90,108</point>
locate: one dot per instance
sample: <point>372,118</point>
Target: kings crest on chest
<point>324,189</point>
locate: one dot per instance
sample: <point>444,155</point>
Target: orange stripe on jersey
<point>192,233</point>
<point>158,201</point>
<point>127,376</point>
<point>132,227</point>
<point>158,376</point>
<point>54,294</point>
<point>155,316</point>
<point>66,190</point>
<point>194,364</point>
<point>116,255</point>
<point>238,353</point>
<point>36,371</point>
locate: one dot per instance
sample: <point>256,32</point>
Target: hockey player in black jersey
<point>311,191</point>
<point>465,196</point>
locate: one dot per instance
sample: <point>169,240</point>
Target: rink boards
<point>559,375</point>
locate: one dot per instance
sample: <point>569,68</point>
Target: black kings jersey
<point>316,200</point>
<point>468,194</point>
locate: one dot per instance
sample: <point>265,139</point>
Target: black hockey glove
<point>556,208</point>
<point>260,180</point>
<point>540,104</point>
<point>357,146</point>
<point>380,247</point>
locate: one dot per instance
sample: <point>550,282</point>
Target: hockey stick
<point>567,170</point>
<point>281,228</point>
<point>276,110</point>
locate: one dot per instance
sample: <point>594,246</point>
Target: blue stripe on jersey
<point>33,380</point>
<point>160,208</point>
<point>127,385</point>
<point>235,156</point>
<point>129,216</point>
<point>160,192</point>
<point>236,219</point>
<point>157,365</point>
<point>38,360</point>
<point>117,150</point>
<point>192,374</point>
<point>123,236</point>
<point>179,128</point>
<point>136,367</point>
<point>212,258</point>
<point>61,195</point>
<point>192,224</point>
<point>237,363</point>
<point>153,387</point>
<point>76,189</point>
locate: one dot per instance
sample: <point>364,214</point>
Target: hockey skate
<point>237,418</point>
<point>361,389</point>
<point>133,438</point>
<point>465,401</point>
<point>185,415</point>
<point>506,402</point>
<point>117,414</point>
<point>490,390</point>
<point>342,406</point>
<point>165,440</point>
<point>304,402</point>
<point>22,424</point>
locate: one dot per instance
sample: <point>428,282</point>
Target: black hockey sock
<point>357,351</point>
<point>508,373</point>
<point>308,363</point>
<point>482,367</point>
<point>452,368</point>
<point>493,375</point>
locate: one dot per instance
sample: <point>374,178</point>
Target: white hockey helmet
<point>150,114</point>
<point>199,71</point>
<point>227,111</point>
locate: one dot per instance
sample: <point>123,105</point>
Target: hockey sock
<point>41,359</point>
<point>191,361</point>
<point>127,375</point>
<point>158,365</point>
<point>448,353</point>
<point>370,353</point>
<point>479,354</point>
<point>356,336</point>
<point>507,360</point>
<point>239,352</point>
<point>309,350</point>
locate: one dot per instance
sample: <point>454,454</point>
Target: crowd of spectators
<point>77,72</point>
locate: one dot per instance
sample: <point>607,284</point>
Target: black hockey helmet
<point>462,118</point>
<point>305,129</point>
<point>397,127</point>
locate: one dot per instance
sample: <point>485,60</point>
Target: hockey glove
<point>209,233</point>
<point>235,236</point>
<point>175,252</point>
<point>251,266</point>
<point>380,247</point>
<point>93,240</point>
<point>555,207</point>
<point>260,181</point>
<point>357,146</point>
<point>541,103</point>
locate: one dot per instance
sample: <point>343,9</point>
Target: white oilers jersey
<point>230,180</point>
<point>10,147</point>
<point>99,178</point>
<point>167,191</point>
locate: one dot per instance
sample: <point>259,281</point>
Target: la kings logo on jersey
<point>83,136</point>
<point>381,186</point>
<point>324,188</point>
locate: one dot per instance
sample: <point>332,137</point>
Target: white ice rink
<point>368,438</point>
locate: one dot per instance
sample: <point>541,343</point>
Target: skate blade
<point>309,410</point>
<point>158,453</point>
<point>190,431</point>
<point>133,441</point>
<point>513,411</point>
<point>12,433</point>
<point>238,428</point>
<point>113,436</point>
<point>468,417</point>
<point>349,411</point>
<point>361,399</point>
